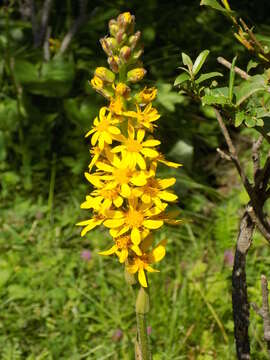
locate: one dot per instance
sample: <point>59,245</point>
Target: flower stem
<point>142,307</point>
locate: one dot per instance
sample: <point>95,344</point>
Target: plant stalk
<point>142,347</point>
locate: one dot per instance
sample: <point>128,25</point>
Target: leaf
<point>18,292</point>
<point>200,61</point>
<point>187,61</point>
<point>239,118</point>
<point>181,78</point>
<point>4,276</point>
<point>231,81</point>
<point>259,122</point>
<point>249,87</point>
<point>250,122</point>
<point>212,99</point>
<point>251,65</point>
<point>168,98</point>
<point>214,5</point>
<point>207,76</point>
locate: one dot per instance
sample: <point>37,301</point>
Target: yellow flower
<point>172,164</point>
<point>102,199</point>
<point>138,218</point>
<point>91,223</point>
<point>154,191</point>
<point>136,75</point>
<point>121,89</point>
<point>147,95</point>
<point>132,149</point>
<point>146,117</point>
<point>103,130</point>
<point>121,247</point>
<point>97,83</point>
<point>141,263</point>
<point>96,152</point>
<point>121,174</point>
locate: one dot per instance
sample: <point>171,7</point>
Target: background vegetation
<point>58,298</point>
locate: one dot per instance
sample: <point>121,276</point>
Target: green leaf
<point>214,5</point>
<point>251,65</point>
<point>212,99</point>
<point>4,276</point>
<point>187,61</point>
<point>249,87</point>
<point>167,97</point>
<point>259,122</point>
<point>250,122</point>
<point>200,61</point>
<point>181,78</point>
<point>207,76</point>
<point>239,118</point>
<point>232,76</point>
<point>18,292</point>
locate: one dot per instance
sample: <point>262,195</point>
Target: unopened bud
<point>125,53</point>
<point>136,75</point>
<point>147,95</point>
<point>113,27</point>
<point>142,301</point>
<point>126,20</point>
<point>114,62</point>
<point>134,39</point>
<point>105,74</point>
<point>108,45</point>
<point>122,89</point>
<point>120,36</point>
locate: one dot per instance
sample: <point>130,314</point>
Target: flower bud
<point>113,27</point>
<point>105,74</point>
<point>142,302</point>
<point>126,21</point>
<point>108,45</point>
<point>134,39</point>
<point>136,75</point>
<point>97,83</point>
<point>120,36</point>
<point>114,62</point>
<point>137,54</point>
<point>125,53</point>
<point>122,90</point>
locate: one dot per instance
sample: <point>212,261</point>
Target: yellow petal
<point>90,132</point>
<point>105,167</point>
<point>114,130</point>
<point>110,251</point>
<point>146,198</point>
<point>125,190</point>
<point>114,223</point>
<point>94,180</point>
<point>152,224</point>
<point>132,269</point>
<point>123,255</point>
<point>159,251</point>
<point>139,180</point>
<point>136,249</point>
<point>167,196</point>
<point>165,183</point>
<point>149,152</point>
<point>118,148</point>
<point>135,236</point>
<point>118,201</point>
<point>150,143</point>
<point>140,135</point>
<point>94,138</point>
<point>142,278</point>
<point>107,137</point>
<point>90,227</point>
<point>140,160</point>
<point>150,269</point>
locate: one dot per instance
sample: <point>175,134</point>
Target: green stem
<point>142,307</point>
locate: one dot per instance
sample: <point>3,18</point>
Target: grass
<point>56,305</point>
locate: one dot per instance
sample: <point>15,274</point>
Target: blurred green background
<point>58,298</point>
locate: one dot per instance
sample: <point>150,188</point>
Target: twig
<point>233,154</point>
<point>76,25</point>
<point>264,311</point>
<point>223,155</point>
<point>46,45</point>
<point>44,20</point>
<point>252,36</point>
<point>228,65</point>
<point>258,223</point>
<point>256,156</point>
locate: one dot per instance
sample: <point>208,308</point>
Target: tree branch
<point>237,70</point>
<point>258,223</point>
<point>256,156</point>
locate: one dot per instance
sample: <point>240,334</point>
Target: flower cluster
<point>128,198</point>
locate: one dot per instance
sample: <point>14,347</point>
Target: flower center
<point>103,125</point>
<point>108,194</point>
<point>134,218</point>
<point>122,242</point>
<point>133,145</point>
<point>122,176</point>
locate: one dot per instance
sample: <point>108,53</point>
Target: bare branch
<point>223,155</point>
<point>233,154</point>
<point>258,223</point>
<point>76,25</point>
<point>46,45</point>
<point>44,19</point>
<point>252,36</point>
<point>256,157</point>
<point>228,65</point>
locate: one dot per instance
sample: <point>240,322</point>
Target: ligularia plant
<point>128,197</point>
